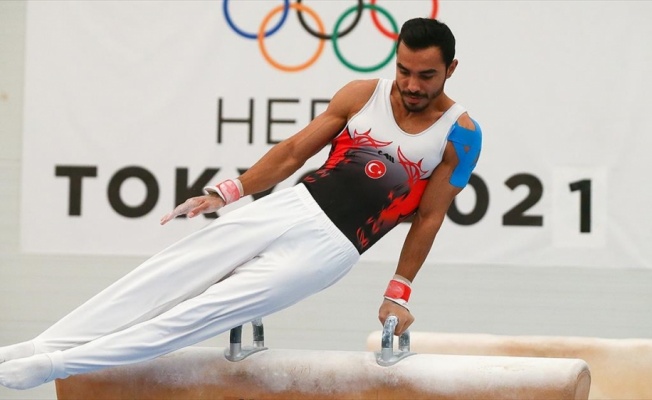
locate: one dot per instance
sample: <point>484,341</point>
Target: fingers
<point>403,315</point>
<point>166,218</point>
<point>403,324</point>
<point>181,209</point>
<point>193,207</point>
<point>170,216</point>
<point>198,207</point>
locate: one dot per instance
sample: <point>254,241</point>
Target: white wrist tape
<point>229,190</point>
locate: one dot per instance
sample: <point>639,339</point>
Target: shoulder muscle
<point>352,97</point>
<point>466,138</point>
<point>466,122</point>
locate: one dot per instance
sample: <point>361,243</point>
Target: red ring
<point>392,35</point>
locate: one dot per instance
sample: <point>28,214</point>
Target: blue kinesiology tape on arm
<point>467,144</point>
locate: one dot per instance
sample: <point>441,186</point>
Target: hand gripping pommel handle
<point>387,357</point>
<point>236,352</point>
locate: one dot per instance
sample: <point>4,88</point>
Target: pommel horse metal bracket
<point>236,352</point>
<point>387,357</point>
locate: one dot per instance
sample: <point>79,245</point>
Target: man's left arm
<point>436,200</point>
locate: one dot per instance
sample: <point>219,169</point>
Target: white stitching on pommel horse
<point>263,374</point>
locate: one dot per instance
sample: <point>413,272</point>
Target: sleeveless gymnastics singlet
<point>376,173</point>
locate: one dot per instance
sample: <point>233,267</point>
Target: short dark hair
<point>421,33</point>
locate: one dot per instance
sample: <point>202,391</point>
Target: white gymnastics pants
<point>251,262</point>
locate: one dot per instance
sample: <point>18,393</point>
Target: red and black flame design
<point>363,206</point>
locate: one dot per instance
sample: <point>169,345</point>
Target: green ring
<point>346,62</point>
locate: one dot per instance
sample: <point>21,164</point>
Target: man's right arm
<point>288,156</point>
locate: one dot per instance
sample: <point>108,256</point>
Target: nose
<point>412,84</point>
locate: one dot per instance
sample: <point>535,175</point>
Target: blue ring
<point>286,9</point>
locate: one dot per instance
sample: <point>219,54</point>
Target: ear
<point>451,69</point>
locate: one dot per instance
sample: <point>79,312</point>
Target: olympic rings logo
<point>334,37</point>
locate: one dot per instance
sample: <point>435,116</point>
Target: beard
<point>426,98</point>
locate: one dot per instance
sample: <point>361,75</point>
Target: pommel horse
<point>620,368</point>
<point>260,373</point>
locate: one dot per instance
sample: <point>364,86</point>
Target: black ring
<point>329,37</point>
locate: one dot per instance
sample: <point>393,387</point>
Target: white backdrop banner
<point>131,107</point>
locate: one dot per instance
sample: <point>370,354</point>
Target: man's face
<point>420,76</point>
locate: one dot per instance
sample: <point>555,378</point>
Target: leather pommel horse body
<point>620,368</point>
<point>205,373</point>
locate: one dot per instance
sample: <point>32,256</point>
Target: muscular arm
<point>436,199</point>
<point>430,215</point>
<point>428,219</point>
<point>287,157</point>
